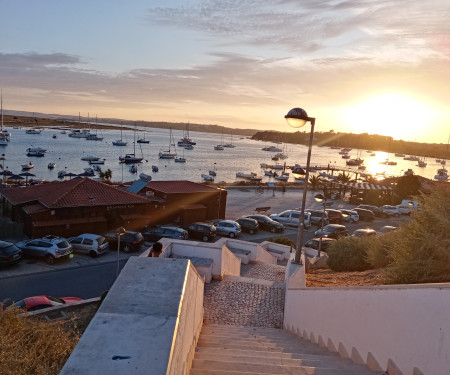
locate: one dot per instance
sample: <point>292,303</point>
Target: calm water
<point>67,152</point>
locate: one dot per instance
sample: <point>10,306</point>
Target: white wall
<point>409,325</point>
<point>189,325</point>
<point>257,252</point>
<point>286,250</point>
<point>231,264</point>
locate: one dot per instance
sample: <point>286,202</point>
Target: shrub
<point>349,254</point>
<point>30,346</point>
<point>380,247</point>
<point>283,241</point>
<point>422,253</point>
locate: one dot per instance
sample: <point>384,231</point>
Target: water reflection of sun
<point>373,165</point>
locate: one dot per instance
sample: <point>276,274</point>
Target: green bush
<point>349,254</point>
<point>380,247</point>
<point>422,253</point>
<point>283,241</point>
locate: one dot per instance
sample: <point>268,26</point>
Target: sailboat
<point>120,142</point>
<point>220,147</point>
<point>231,144</point>
<point>143,140</point>
<point>131,158</point>
<point>92,136</point>
<point>186,141</point>
<point>3,137</point>
<point>168,154</point>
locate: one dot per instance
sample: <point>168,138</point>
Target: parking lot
<point>240,202</point>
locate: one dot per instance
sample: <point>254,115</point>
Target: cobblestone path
<point>247,302</point>
<point>263,271</point>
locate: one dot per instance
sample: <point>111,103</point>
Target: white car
<point>390,210</point>
<point>292,217</point>
<point>350,216</point>
<point>88,243</point>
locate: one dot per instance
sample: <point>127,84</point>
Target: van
<point>408,205</point>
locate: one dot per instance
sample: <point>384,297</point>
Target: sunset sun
<point>397,115</point>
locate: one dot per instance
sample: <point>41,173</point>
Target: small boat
<point>362,167</point>
<point>28,166</point>
<point>36,153</point>
<point>399,155</point>
<point>142,140</point>
<point>89,171</point>
<point>247,176</point>
<point>54,136</point>
<point>119,142</point>
<point>186,141</point>
<point>256,179</point>
<point>282,177</point>
<point>188,147</point>
<point>421,163</point>
<point>63,132</point>
<point>96,168</point>
<point>345,156</point>
<point>51,165</point>
<point>409,172</point>
<point>218,148</point>
<point>61,174</point>
<point>207,177</point>
<point>272,149</point>
<point>269,173</point>
<point>95,162</point>
<point>33,131</point>
<point>94,137</point>
<point>90,158</point>
<point>180,160</point>
<point>36,149</point>
<point>155,168</point>
<point>212,172</point>
<point>133,169</point>
<point>279,155</point>
<point>130,159</point>
<point>357,161</point>
<point>442,176</point>
<point>168,154</point>
<point>76,133</point>
<point>438,160</point>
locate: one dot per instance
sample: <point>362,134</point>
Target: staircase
<point>238,350</point>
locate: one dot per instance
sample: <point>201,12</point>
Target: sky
<point>359,66</point>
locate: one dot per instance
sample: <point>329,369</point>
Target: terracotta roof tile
<point>78,192</point>
<point>180,186</point>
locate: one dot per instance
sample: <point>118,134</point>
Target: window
<point>77,240</point>
<point>88,241</point>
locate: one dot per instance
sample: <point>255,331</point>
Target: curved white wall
<point>409,325</point>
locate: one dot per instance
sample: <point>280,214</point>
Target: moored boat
<point>28,166</point>
<point>51,165</point>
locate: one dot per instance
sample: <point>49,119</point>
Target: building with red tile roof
<point>72,207</point>
<point>185,201</point>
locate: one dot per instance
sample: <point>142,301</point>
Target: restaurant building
<point>68,208</point>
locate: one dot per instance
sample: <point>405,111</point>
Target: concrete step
<point>289,359</point>
<point>226,368</point>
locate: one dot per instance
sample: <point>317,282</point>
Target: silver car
<point>292,218</point>
<point>88,243</point>
<point>48,247</point>
<point>228,228</point>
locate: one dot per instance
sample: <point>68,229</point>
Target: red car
<point>335,216</point>
<point>42,302</point>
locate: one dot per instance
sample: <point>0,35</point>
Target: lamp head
<point>120,231</point>
<point>297,117</point>
<point>320,198</point>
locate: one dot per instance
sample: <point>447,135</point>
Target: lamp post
<point>321,199</point>
<point>120,232</point>
<point>297,118</point>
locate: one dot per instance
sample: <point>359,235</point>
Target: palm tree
<point>106,175</point>
<point>343,178</point>
<point>315,182</point>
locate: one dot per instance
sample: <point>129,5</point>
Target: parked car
<point>316,217</point>
<point>48,247</point>
<point>248,225</point>
<point>292,217</point>
<point>228,228</point>
<point>334,216</point>
<point>350,216</point>
<point>202,231</point>
<point>364,232</point>
<point>407,205</point>
<point>313,243</point>
<point>332,231</point>
<point>386,229</point>
<point>9,254</point>
<point>376,210</point>
<point>365,215</point>
<point>129,241</point>
<point>154,234</point>
<point>390,210</point>
<point>266,223</point>
<point>88,243</point>
<point>42,302</point>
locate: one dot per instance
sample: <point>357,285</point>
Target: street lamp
<point>321,199</point>
<point>297,118</point>
<point>120,232</point>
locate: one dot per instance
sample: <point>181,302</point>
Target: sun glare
<point>391,114</point>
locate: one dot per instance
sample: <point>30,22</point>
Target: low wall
<point>286,250</point>
<point>148,323</point>
<point>402,329</point>
<point>257,252</point>
<point>222,263</point>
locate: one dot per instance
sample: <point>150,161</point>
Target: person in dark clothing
<point>156,250</point>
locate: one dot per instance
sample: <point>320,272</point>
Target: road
<point>84,282</point>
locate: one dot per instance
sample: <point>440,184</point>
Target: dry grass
<point>35,346</point>
<point>331,278</point>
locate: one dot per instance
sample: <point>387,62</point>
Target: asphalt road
<point>84,282</point>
